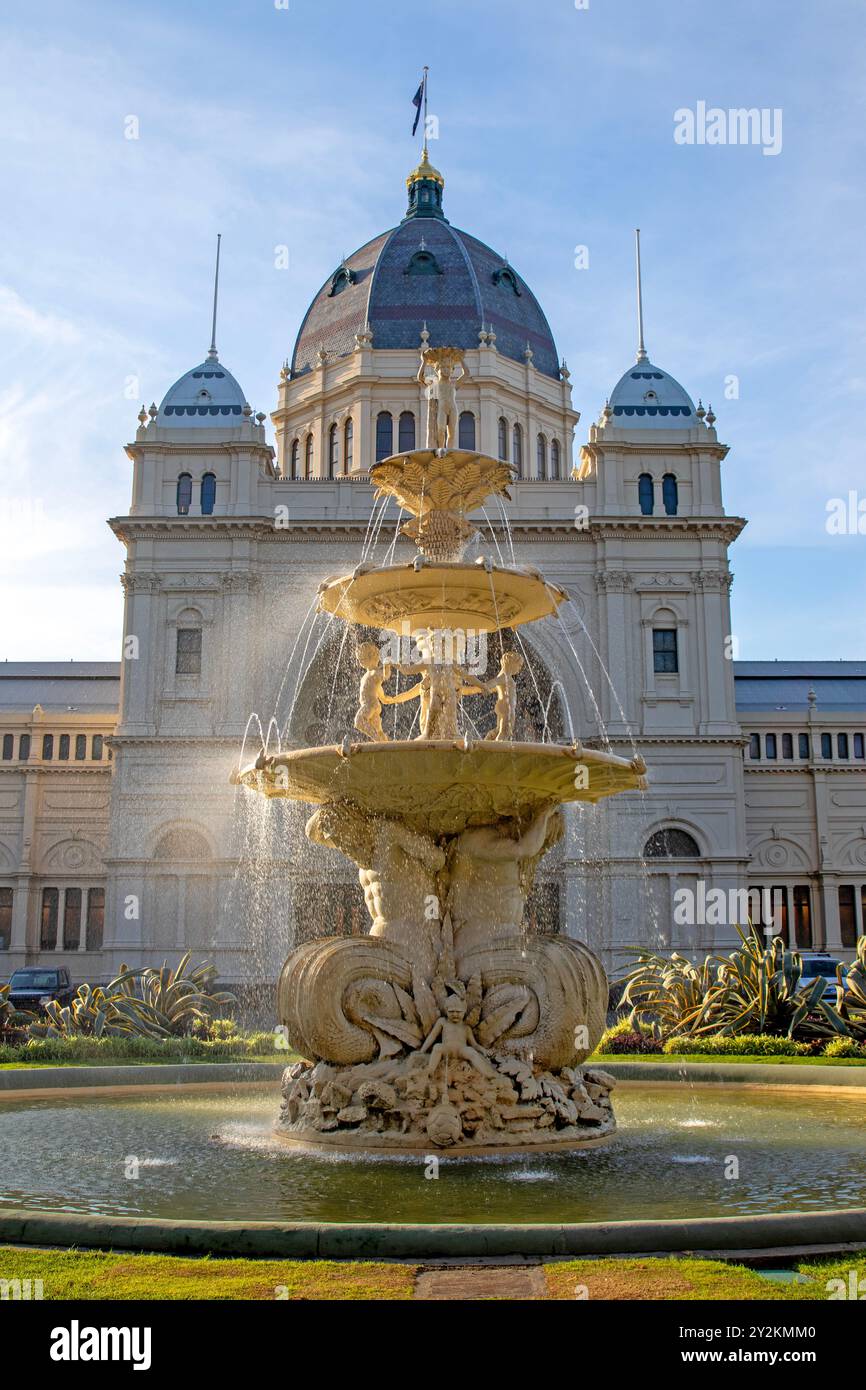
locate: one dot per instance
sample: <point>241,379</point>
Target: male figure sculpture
<point>458,1040</point>
<point>440,370</point>
<point>397,870</point>
<point>491,869</point>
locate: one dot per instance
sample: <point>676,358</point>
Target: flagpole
<point>426,70</point>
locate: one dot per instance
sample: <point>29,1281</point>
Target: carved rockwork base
<point>397,1103</point>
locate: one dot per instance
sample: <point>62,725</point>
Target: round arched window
<point>671,843</point>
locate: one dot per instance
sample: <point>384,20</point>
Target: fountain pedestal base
<point>401,1104</point>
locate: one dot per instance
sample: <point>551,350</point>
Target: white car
<point>820,965</point>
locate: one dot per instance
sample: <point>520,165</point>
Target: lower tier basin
<point>213,1156</point>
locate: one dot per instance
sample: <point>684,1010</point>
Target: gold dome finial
<point>425,170</point>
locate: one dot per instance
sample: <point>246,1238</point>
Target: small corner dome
<point>645,397</point>
<point>206,395</point>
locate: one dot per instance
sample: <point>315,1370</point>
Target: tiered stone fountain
<point>448,1025</point>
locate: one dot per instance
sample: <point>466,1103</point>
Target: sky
<point>288,124</point>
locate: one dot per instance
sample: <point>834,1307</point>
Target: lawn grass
<point>93,1275</point>
<point>689,1279</point>
<point>673,1058</point>
<point>86,1274</point>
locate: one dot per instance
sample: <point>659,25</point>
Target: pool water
<point>684,1151</point>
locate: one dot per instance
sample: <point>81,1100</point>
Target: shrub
<point>844,1047</point>
<point>624,1038</point>
<point>742,1045</point>
<point>132,1049</point>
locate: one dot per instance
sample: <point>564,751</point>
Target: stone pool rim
<point>728,1236</point>
<point>830,1231</point>
<point>48,1082</point>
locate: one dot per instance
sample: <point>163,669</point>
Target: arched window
<point>541,456</point>
<point>24,748</point>
<point>670,494</point>
<point>503,438</point>
<point>308,457</point>
<point>184,494</point>
<point>96,748</point>
<point>384,435</point>
<point>517,449</point>
<point>295,458</point>
<point>554,458</point>
<point>466,430</point>
<point>208,494</point>
<point>348,445</point>
<point>8,747</point>
<point>671,843</point>
<point>48,747</point>
<point>645,494</point>
<point>406,431</point>
<point>333,452</point>
<point>80,747</point>
<point>64,747</point>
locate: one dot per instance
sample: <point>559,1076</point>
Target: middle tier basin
<point>440,788</point>
<point>401,598</point>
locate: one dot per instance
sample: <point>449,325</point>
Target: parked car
<point>821,965</point>
<point>34,986</point>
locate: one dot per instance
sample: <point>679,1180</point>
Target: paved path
<point>481,1282</point>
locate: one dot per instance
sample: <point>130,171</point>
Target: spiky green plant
<point>165,1003</point>
<point>10,1017</point>
<point>755,989</point>
<point>851,993</point>
<point>88,1014</point>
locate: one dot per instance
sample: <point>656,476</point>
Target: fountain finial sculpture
<point>448,1024</point>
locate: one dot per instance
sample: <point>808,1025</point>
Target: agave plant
<point>756,989</point>
<point>10,1017</point>
<point>851,993</point>
<point>90,1013</point>
<point>673,992</point>
<point>165,1003</point>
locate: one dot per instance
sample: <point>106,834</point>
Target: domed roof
<point>425,271</point>
<point>649,398</point>
<point>206,395</point>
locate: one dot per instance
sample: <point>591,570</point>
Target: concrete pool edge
<point>833,1230</point>
<point>49,1082</point>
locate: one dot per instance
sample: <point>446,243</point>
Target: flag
<point>416,102</point>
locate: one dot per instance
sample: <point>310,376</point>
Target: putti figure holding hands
<point>442,685</point>
<point>440,371</point>
<point>504,687</point>
<point>368,719</point>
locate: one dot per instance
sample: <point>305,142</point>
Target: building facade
<point>138,846</point>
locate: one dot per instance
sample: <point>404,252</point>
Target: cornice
<point>197,529</point>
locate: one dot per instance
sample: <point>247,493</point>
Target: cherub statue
<point>439,691</point>
<point>458,1040</point>
<point>504,687</point>
<point>440,370</point>
<point>368,719</point>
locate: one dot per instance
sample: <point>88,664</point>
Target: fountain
<point>448,1024</point>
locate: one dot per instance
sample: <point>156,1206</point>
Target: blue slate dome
<point>425,271</point>
<point>649,398</point>
<point>206,395</point>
